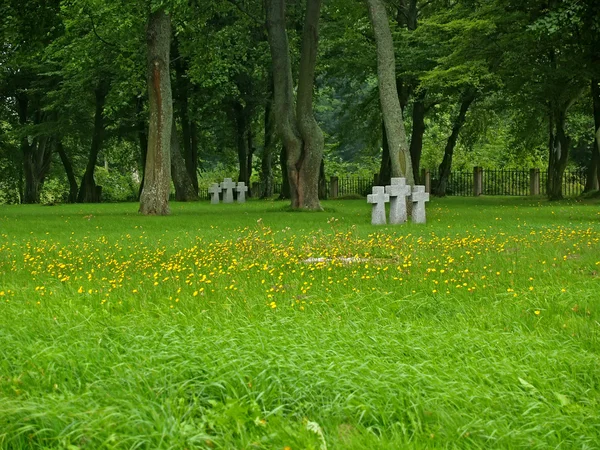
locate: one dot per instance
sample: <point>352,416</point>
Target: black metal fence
<point>460,183</point>
<point>508,182</point>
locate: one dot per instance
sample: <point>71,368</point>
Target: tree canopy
<point>497,83</point>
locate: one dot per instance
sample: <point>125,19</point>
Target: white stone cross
<point>241,192</point>
<point>398,191</point>
<point>227,186</point>
<point>214,190</point>
<point>378,198</point>
<point>419,197</point>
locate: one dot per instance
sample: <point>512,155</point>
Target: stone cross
<point>214,191</point>
<point>227,186</point>
<point>398,191</point>
<point>378,198</point>
<point>419,197</point>
<point>241,192</point>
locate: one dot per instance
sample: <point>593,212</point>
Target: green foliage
<point>117,187</point>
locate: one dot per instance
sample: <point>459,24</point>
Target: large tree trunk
<point>157,175</point>
<point>559,145</point>
<point>390,105</point>
<point>385,169</point>
<point>37,155</point>
<point>299,131</point>
<point>266,175</point>
<point>64,158</point>
<point>182,90</point>
<point>184,189</point>
<point>251,150</point>
<point>241,130</point>
<point>418,130</point>
<point>322,181</point>
<point>143,141</point>
<point>88,191</point>
<point>446,165</point>
<point>593,174</point>
<point>285,181</point>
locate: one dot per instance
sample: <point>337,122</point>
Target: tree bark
<point>385,169</point>
<point>559,145</point>
<point>182,90</point>
<point>251,150</point>
<point>184,189</point>
<point>418,130</point>
<point>390,105</point>
<point>88,191</point>
<point>322,181</point>
<point>157,175</point>
<point>37,155</point>
<point>143,141</point>
<point>69,171</point>
<point>299,131</point>
<point>285,182</point>
<point>446,165</point>
<point>593,174</point>
<point>241,128</point>
<point>269,148</point>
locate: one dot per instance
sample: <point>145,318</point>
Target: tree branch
<point>105,42</point>
<point>247,13</point>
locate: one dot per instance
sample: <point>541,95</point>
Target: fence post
<point>334,187</point>
<point>534,181</point>
<point>477,181</point>
<point>426,179</point>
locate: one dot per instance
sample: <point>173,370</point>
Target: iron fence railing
<point>460,183</point>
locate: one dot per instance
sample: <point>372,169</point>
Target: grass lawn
<point>250,327</point>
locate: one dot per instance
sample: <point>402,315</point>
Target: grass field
<point>247,326</point>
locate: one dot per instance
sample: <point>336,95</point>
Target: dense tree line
<point>155,89</point>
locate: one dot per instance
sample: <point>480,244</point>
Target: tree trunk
<point>184,189</point>
<point>446,165</point>
<point>299,131</point>
<point>418,130</point>
<point>269,148</point>
<point>241,128</point>
<point>69,171</point>
<point>559,144</point>
<point>157,174</point>
<point>322,181</point>
<point>593,174</point>
<point>182,94</point>
<point>88,191</point>
<point>388,93</point>
<point>37,155</point>
<point>385,169</point>
<point>251,150</point>
<point>143,141</point>
<point>285,182</point>
<point>195,152</point>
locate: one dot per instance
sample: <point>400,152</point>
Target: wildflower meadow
<point>254,327</point>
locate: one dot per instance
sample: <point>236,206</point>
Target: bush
<point>53,192</point>
<point>116,187</point>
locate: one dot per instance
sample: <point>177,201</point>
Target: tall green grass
<point>248,326</point>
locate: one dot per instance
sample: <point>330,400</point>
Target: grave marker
<point>419,197</point>
<point>241,190</point>
<point>227,186</point>
<point>398,191</point>
<point>378,199</point>
<point>214,190</point>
